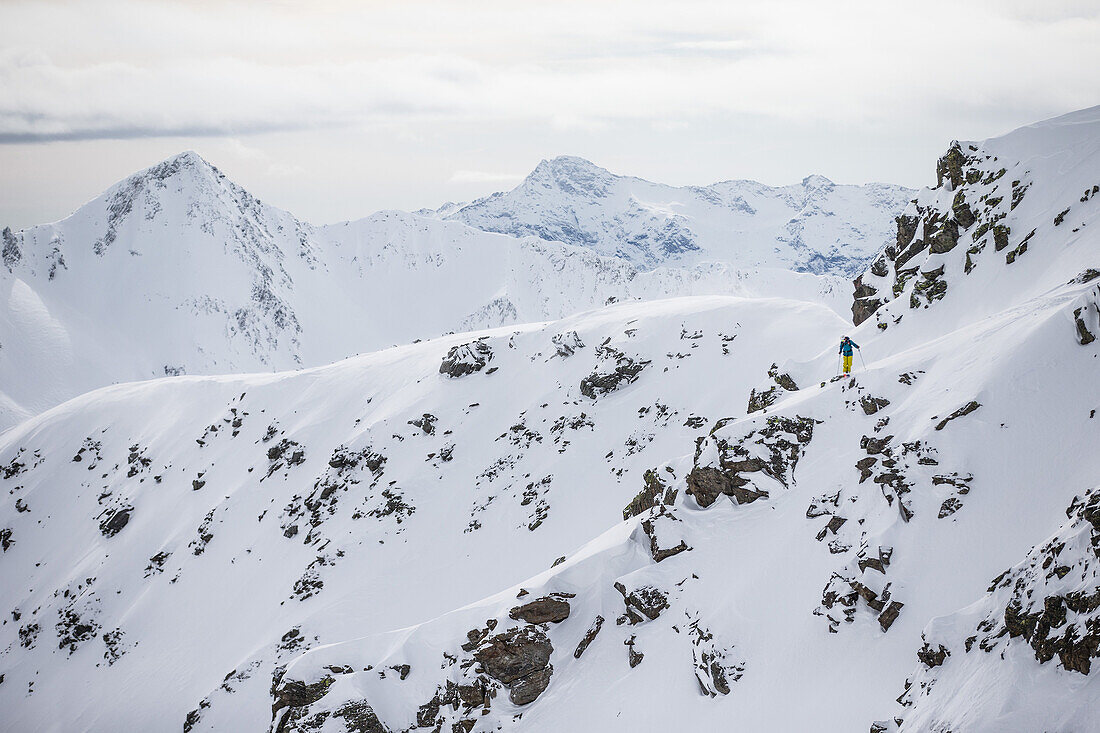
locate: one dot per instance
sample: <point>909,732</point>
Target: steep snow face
<point>1030,196</point>
<point>1022,657</point>
<point>815,226</point>
<point>210,525</point>
<point>791,562</point>
<point>179,271</point>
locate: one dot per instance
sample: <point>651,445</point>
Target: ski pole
<point>861,361</point>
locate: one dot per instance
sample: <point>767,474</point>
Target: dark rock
<point>761,400</point>
<point>864,304</point>
<point>864,466</point>
<point>515,653</point>
<point>707,483</point>
<point>949,506</point>
<point>961,412</point>
<point>661,553</point>
<point>871,405</point>
<point>634,657</point>
<point>1084,335</point>
<point>655,492</point>
<point>950,166</point>
<point>933,657</point>
<point>115,521</point>
<point>945,238</point>
<point>541,610</point>
<point>589,637</point>
<point>626,372</point>
<point>359,717</point>
<point>646,599</point>
<point>466,359</point>
<point>907,229</point>
<point>963,215</point>
<point>295,694</point>
<point>876,446</point>
<point>887,618</point>
<point>525,690</point>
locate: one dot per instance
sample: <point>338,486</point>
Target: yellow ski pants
<point>848,364</point>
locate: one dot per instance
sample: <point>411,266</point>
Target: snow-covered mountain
<point>815,226</point>
<point>653,515</point>
<point>178,270</point>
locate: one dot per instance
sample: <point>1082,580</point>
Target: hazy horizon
<point>334,110</point>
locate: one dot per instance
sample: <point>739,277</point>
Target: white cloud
<point>441,95</point>
<point>185,69</point>
<point>485,177</point>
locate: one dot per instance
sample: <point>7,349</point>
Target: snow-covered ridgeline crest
<point>177,270</point>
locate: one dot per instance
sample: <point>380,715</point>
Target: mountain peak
<point>572,175</point>
<point>816,180</point>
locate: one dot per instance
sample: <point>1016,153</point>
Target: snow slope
<point>235,552</point>
<point>813,226</point>
<point>513,458</point>
<point>178,270</point>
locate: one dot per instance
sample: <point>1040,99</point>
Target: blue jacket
<point>846,347</point>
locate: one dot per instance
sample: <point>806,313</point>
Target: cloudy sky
<point>334,109</point>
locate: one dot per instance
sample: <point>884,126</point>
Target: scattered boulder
<point>589,637</point>
<point>646,600</point>
<point>966,409</point>
<point>871,405</point>
<point>566,344</point>
<point>115,520</point>
<point>930,657</point>
<point>634,657</point>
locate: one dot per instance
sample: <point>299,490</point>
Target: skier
<point>846,345</point>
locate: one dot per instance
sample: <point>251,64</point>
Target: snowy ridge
<point>816,226</point>
<point>177,270</point>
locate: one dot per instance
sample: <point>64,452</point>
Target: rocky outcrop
<point>466,359</point>
<point>520,659</point>
<point>727,467</point>
<point>766,397</point>
<point>654,492</point>
<point>642,603</point>
<point>624,371</point>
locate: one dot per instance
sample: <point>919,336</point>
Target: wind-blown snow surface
<point>796,568</point>
<point>179,270</point>
<point>813,226</point>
